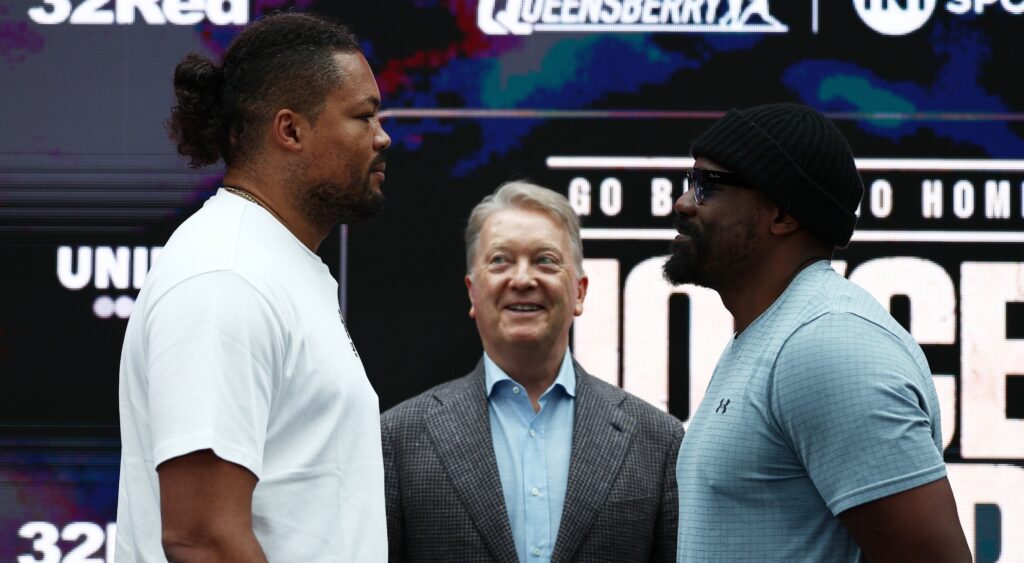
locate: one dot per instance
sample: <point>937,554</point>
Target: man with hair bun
<point>529,457</point>
<point>818,438</point>
<point>249,429</point>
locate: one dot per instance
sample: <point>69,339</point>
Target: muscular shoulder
<point>843,362</point>
<point>837,339</point>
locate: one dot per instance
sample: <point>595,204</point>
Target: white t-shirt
<point>236,344</point>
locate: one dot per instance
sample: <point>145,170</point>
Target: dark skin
<point>298,151</point>
<point>920,524</point>
<point>783,248</point>
<point>205,501</point>
<point>206,510</point>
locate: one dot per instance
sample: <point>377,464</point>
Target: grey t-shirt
<point>823,403</point>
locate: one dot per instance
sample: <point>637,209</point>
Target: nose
<point>381,140</point>
<point>686,204</point>
<point>522,275</point>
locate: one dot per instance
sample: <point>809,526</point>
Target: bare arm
<point>206,510</point>
<point>920,524</point>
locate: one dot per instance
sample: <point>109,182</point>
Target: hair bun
<point>195,122</point>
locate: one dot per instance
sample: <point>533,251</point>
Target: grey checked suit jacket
<point>444,497</point>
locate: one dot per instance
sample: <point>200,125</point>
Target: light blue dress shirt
<point>532,449</point>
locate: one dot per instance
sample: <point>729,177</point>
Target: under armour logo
<point>722,406</point>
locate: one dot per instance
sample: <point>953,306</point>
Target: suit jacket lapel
<point>460,429</point>
<point>600,437</point>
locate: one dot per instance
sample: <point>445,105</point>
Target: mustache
<point>685,227</point>
<point>380,159</point>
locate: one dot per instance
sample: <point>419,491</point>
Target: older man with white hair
<point>528,458</point>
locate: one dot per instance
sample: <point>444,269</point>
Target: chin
<point>521,340</point>
<point>680,269</point>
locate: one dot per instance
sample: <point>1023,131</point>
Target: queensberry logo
<point>154,12</point>
<point>524,17</point>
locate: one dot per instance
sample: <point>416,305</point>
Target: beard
<point>714,257</point>
<point>687,262</point>
<point>330,203</point>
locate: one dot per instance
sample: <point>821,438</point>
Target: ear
<point>783,223</point>
<point>581,294</point>
<point>288,130</point>
<point>469,290</point>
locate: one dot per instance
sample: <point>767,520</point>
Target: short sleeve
<point>853,404</point>
<point>213,345</point>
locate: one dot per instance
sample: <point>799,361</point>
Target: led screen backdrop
<point>596,99</point>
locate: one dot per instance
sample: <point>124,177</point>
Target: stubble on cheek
<point>327,203</point>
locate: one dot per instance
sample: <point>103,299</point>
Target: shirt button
<point>515,390</point>
<point>533,432</point>
<point>535,491</point>
<point>536,552</point>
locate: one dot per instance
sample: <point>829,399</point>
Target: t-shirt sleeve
<point>213,343</point>
<point>849,398</point>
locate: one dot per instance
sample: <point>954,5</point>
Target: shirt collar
<point>566,375</point>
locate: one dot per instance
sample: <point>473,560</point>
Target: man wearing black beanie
<point>818,438</point>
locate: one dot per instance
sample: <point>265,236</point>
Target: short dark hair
<point>283,60</point>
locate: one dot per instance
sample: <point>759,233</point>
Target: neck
<point>534,369</point>
<point>277,199</point>
<point>747,301</point>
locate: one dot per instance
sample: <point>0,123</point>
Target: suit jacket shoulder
<point>443,489</point>
<point>412,410</point>
<point>654,420</point>
<point>621,500</point>
<point>441,481</point>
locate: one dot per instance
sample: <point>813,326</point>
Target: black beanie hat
<point>796,157</point>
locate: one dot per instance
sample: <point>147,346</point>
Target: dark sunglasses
<point>702,181</point>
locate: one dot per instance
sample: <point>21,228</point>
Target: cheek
<point>486,289</point>
<point>360,140</point>
<point>572,293</point>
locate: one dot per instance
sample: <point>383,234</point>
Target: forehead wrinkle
<point>514,244</point>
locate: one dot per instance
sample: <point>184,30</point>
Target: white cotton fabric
<point>237,344</point>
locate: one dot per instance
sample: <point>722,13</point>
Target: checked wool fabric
<point>444,497</point>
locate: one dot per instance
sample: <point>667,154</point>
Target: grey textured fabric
<point>444,498</point>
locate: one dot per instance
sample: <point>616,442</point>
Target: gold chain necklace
<point>247,195</point>
<point>244,194</point>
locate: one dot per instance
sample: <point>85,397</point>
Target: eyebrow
<point>373,101</point>
<point>503,246</point>
<point>549,248</point>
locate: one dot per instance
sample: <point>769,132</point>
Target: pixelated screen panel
<point>596,100</point>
